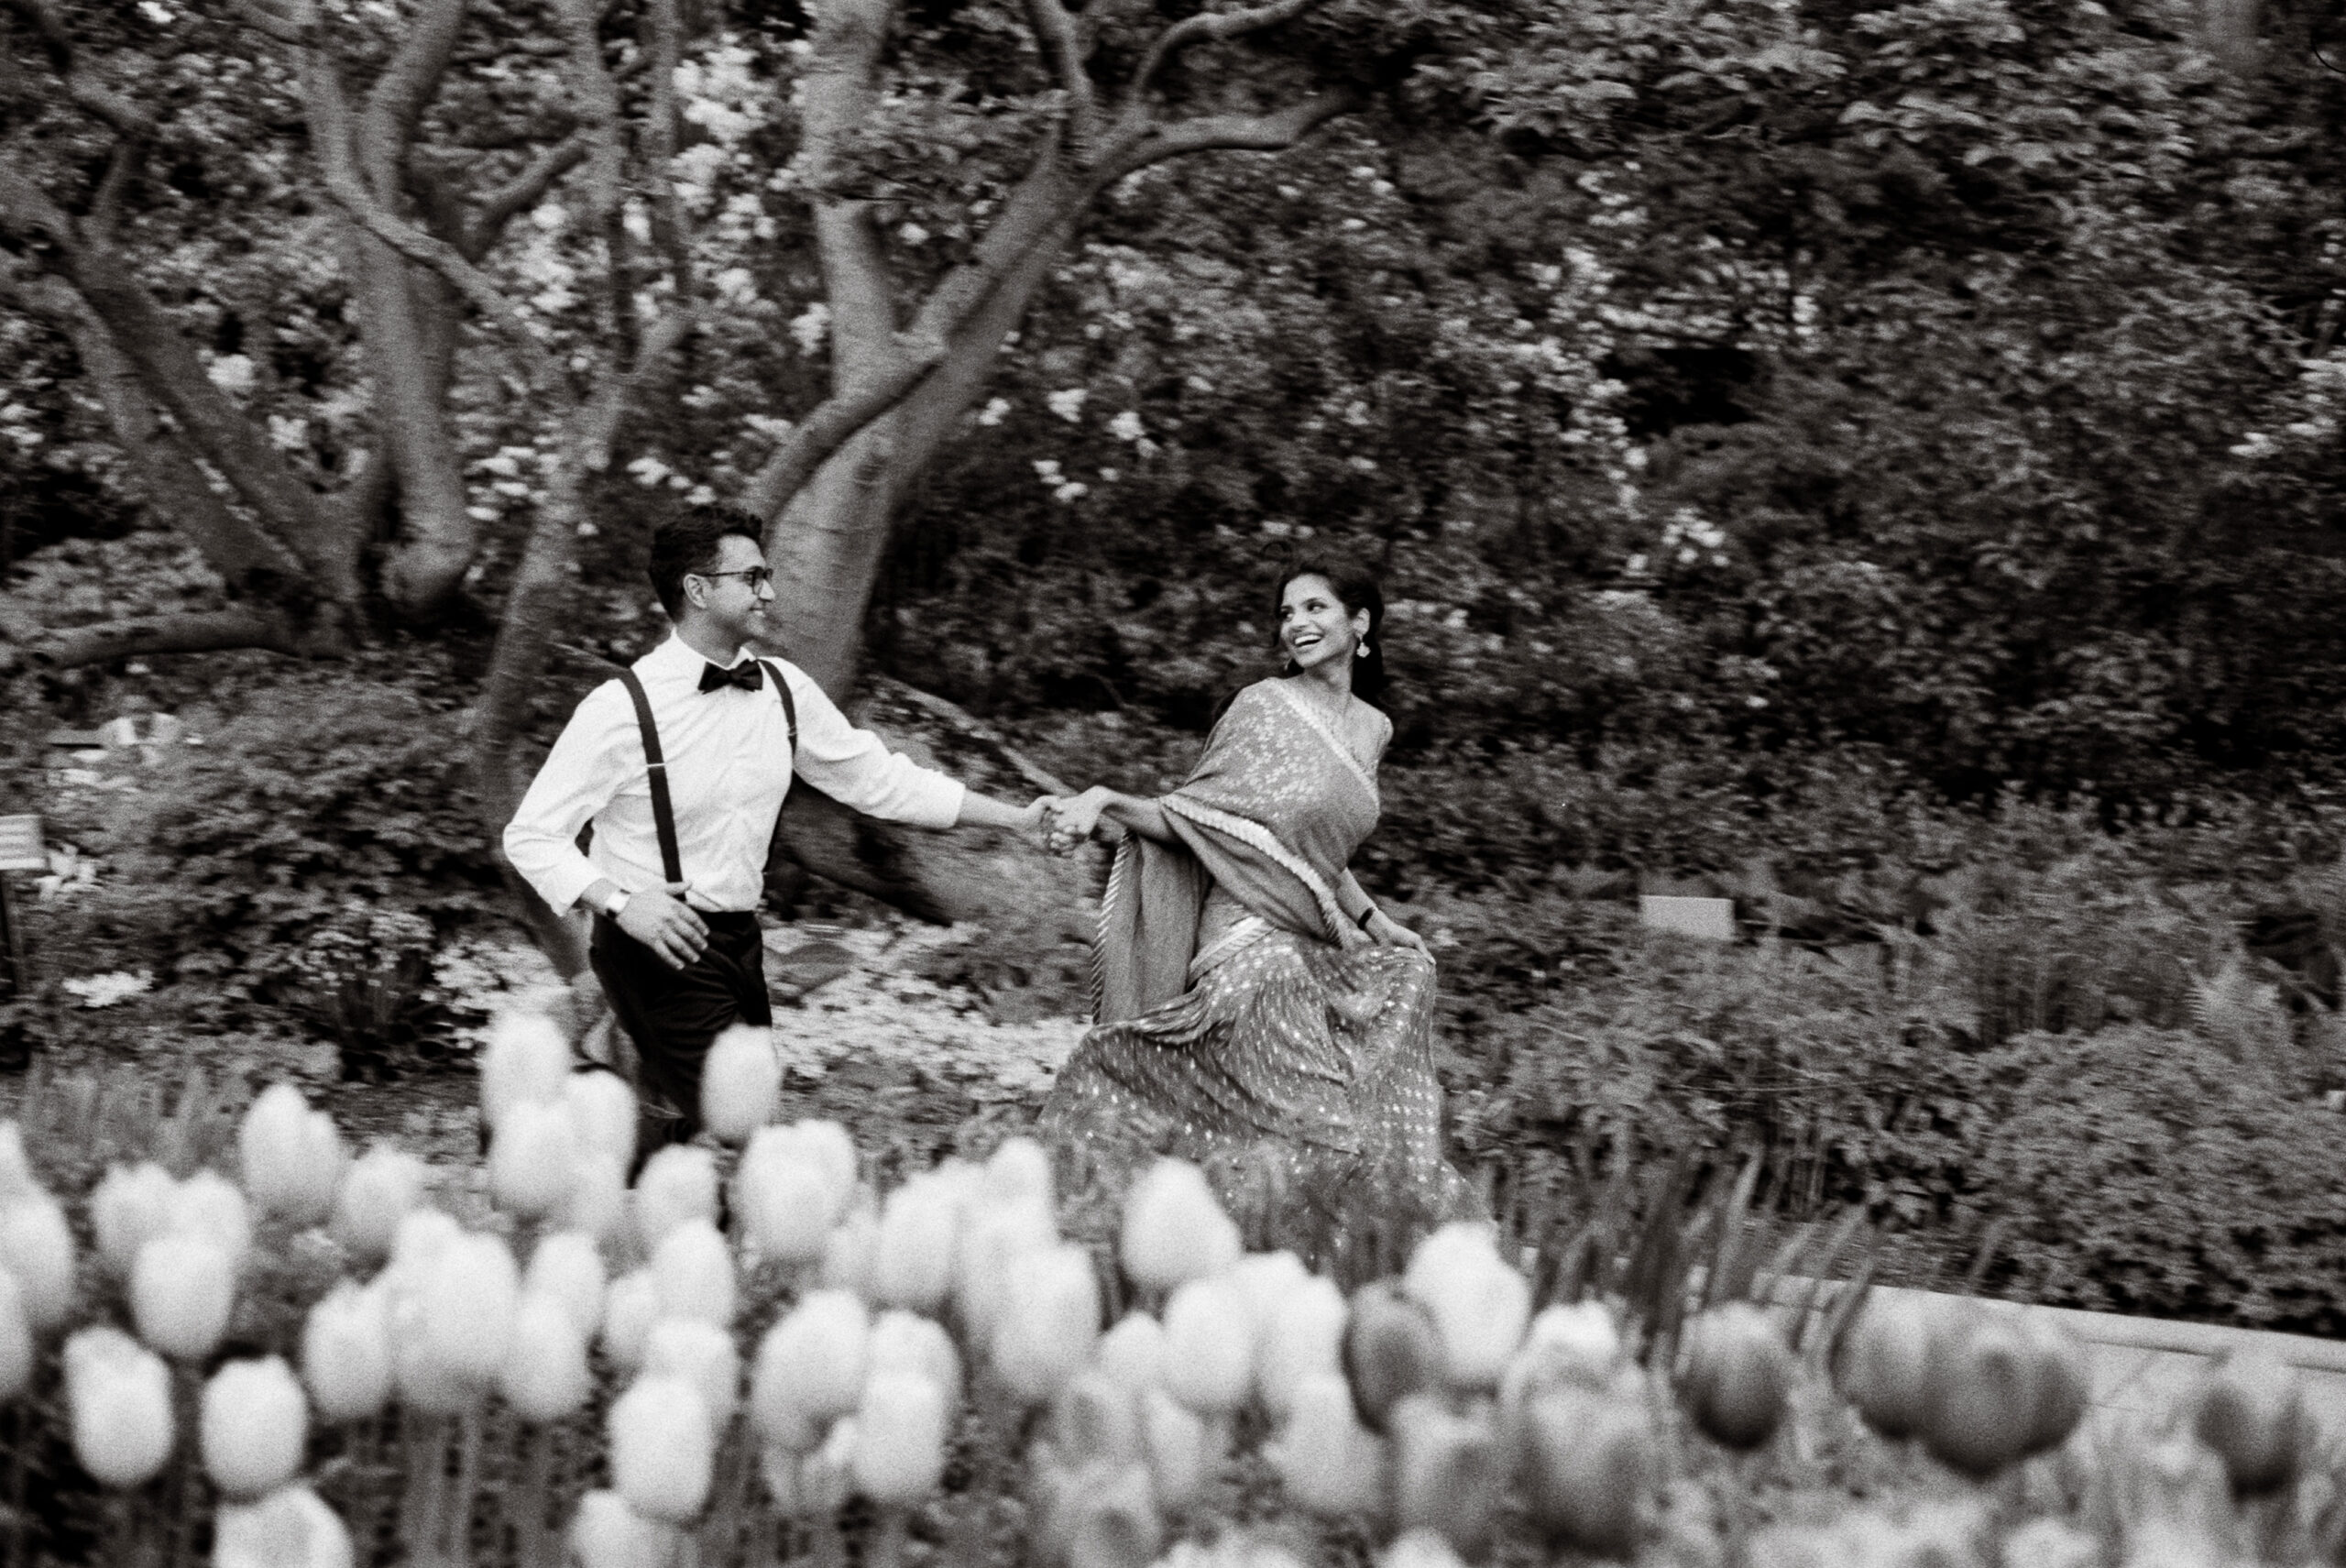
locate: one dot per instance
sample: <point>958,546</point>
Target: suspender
<point>663,811</point>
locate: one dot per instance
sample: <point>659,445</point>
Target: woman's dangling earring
<point>1360,649</point>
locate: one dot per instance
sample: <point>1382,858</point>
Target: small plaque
<point>20,847</point>
<point>1712,919</point>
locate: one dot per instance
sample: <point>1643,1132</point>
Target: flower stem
<point>535,1545</point>
<point>424,1495</point>
<point>894,1535</point>
<point>460,1516</point>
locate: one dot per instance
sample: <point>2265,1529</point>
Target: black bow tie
<point>749,674</point>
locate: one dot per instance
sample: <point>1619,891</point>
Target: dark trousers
<point>673,1015</point>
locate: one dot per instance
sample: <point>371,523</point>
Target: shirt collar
<point>674,656</point>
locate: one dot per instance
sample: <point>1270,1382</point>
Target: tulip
<point>695,1269</point>
<point>291,1528</point>
<point>37,1246</point>
<point>1330,1464</point>
<point>119,1394</point>
<point>253,1425</point>
<point>824,1479</point>
<point>740,1083</point>
<point>1479,1305</point>
<point>1419,1549</point>
<point>1179,1446</point>
<point>130,1207</point>
<point>1585,1465</point>
<point>912,1264</point>
<point>607,1533</point>
<point>1577,1345</point>
<point>1174,1228</point>
<point>630,1309</point>
<point>382,1186</point>
<point>597,1201</point>
<point>1449,1474</point>
<point>546,1376</point>
<point>1982,1395</point>
<point>824,1148</point>
<point>467,1296</point>
<point>2048,1543</point>
<point>1264,1279</point>
<point>1107,1518</point>
<point>347,1353</point>
<point>418,1239</point>
<point>678,1183</point>
<point>809,1368</point>
<point>1737,1375</point>
<point>1132,1353</point>
<point>1018,1173</point>
<point>210,1204</point>
<point>1303,1337</point>
<point>1096,1419</point>
<point>1391,1350</point>
<point>782,1198</point>
<point>1048,1324</point>
<point>703,1355</point>
<point>566,1268</point>
<point>526,1061</point>
<point>906,1341</point>
<point>602,1117</point>
<point>1883,1362</point>
<point>1208,1347</point>
<point>852,1249</point>
<point>424,1381</point>
<point>2062,1392</point>
<point>532,1159</point>
<point>663,1449</point>
<point>182,1290</point>
<point>16,1177</point>
<point>2253,1413</point>
<point>291,1156</point>
<point>17,1351</point>
<point>995,1245</point>
<point>901,1428</point>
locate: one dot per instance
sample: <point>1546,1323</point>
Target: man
<point>681,960</point>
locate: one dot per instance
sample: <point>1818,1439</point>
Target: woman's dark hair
<point>685,544</point>
<point>1357,587</point>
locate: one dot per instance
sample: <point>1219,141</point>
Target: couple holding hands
<point>1251,1002</point>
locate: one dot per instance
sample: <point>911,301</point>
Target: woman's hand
<point>1069,824</point>
<point>1391,933</point>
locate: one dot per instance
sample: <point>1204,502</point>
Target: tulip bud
<point>826,1478</point>
<point>901,1428</point>
<point>1391,1350</point>
<point>662,1448</point>
<point>1018,1172</point>
<point>1883,1362</point>
<point>602,1117</point>
<point>809,1368</point>
<point>741,1083</point>
<point>678,1183</point>
<point>782,1198</point>
<point>853,1250</point>
<point>1449,1475</point>
<point>130,1207</point>
<point>469,1295</point>
<point>630,1308</point>
<point>1048,1323</point>
<point>532,1159</point>
<point>545,1378</point>
<point>37,1246</point>
<point>912,1266</point>
<point>291,1528</point>
<point>1132,1353</point>
<point>1419,1549</point>
<point>694,1268</point>
<point>2048,1543</point>
<point>382,1185</point>
<point>1330,1464</point>
<point>1478,1304</point>
<point>607,1533</point>
<point>906,1341</point>
<point>1179,1446</point>
<point>597,1201</point>
<point>1174,1228</point>
<point>119,1394</point>
<point>17,1351</point>
<point>1980,1405</point>
<point>526,1060</point>
<point>1264,1279</point>
<point>16,1177</point>
<point>1107,1518</point>
<point>566,1267</point>
<point>1303,1337</point>
<point>347,1353</point>
<point>827,1148</point>
<point>2062,1391</point>
<point>182,1290</point>
<point>208,1203</point>
<point>703,1355</point>
<point>1574,1346</point>
<point>421,1236</point>
<point>253,1426</point>
<point>1586,1465</point>
<point>292,1156</point>
<point>1208,1347</point>
<point>1737,1375</point>
<point>2253,1413</point>
<point>996,1243</point>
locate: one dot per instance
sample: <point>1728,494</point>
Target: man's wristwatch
<point>613,904</point>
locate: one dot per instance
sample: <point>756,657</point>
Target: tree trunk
<point>408,355</point>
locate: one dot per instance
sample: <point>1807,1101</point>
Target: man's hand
<point>1069,823</point>
<point>661,919</point>
<point>1393,934</point>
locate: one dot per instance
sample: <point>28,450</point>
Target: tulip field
<point>246,1342</point>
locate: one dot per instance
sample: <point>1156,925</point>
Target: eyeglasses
<point>759,576</point>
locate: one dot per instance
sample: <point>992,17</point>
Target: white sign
<point>1711,918</point>
<point>20,847</point>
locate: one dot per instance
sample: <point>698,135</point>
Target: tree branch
<point>268,21</point>
<point>1055,31</point>
<point>1210,27</point>
<point>91,96</point>
<point>500,205</point>
<point>668,227</point>
<point>595,97</point>
<point>1276,132</point>
<point>618,390</point>
<point>397,103</point>
<point>200,631</point>
<point>833,423</point>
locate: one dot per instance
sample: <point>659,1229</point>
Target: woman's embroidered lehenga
<point>1243,1019</point>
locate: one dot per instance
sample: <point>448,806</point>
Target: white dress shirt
<point>727,776</point>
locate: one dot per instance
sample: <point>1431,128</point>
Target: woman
<point>1255,1011</point>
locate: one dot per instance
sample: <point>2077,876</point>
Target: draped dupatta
<point>1272,813</point>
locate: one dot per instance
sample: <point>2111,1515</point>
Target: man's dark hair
<point>690,544</point>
